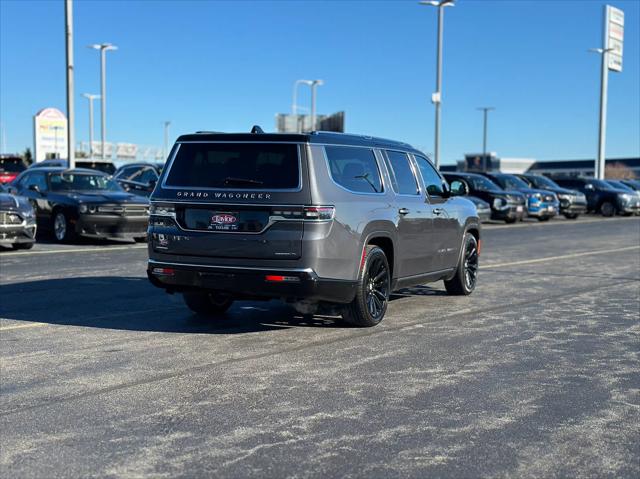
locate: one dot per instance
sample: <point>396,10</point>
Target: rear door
<point>447,231</point>
<point>234,200</point>
<point>416,245</point>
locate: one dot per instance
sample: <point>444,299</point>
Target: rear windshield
<point>12,165</point>
<point>251,166</point>
<point>105,167</point>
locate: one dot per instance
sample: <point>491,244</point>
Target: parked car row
<point>80,202</point>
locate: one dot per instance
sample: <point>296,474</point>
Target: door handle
<point>403,211</point>
<point>438,211</point>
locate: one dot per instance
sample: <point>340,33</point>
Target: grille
<point>126,210</point>
<point>7,218</point>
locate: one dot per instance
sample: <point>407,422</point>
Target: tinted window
<point>432,180</point>
<point>542,182</point>
<point>509,182</point>
<point>125,173</point>
<point>12,165</point>
<point>34,179</point>
<point>254,166</point>
<point>355,169</point>
<point>82,182</point>
<point>403,180</point>
<point>104,166</point>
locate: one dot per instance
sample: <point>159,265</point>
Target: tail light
<point>164,271</point>
<point>272,278</point>
<point>319,213</point>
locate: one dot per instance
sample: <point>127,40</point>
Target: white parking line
<point>76,250</point>
<point>491,226</point>
<point>564,256</point>
<point>22,326</point>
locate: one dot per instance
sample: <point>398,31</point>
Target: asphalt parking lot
<point>534,375</point>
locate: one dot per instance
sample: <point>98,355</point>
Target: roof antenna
<point>257,129</point>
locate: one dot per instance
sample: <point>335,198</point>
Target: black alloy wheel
<point>374,288</point>
<point>466,277</point>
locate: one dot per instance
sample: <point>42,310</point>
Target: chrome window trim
<point>375,158</point>
<point>419,192</point>
<point>439,197</point>
<point>169,166</point>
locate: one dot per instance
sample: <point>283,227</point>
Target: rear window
<point>355,169</point>
<point>12,165</point>
<point>252,166</point>
<point>103,166</point>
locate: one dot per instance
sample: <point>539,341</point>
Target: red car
<point>10,167</point>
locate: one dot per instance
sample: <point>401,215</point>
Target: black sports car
<point>508,206</point>
<point>17,221</point>
<point>83,202</point>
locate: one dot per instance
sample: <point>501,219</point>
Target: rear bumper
<point>111,226</point>
<point>250,283</point>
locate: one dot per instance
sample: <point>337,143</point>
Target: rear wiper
<point>241,181</point>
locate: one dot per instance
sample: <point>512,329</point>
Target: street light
<point>103,47</point>
<point>437,96</point>
<point>294,103</point>
<point>486,110</point>
<point>166,138</point>
<point>599,172</point>
<point>90,97</point>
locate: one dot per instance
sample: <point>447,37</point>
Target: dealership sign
<point>50,134</point>
<point>614,37</point>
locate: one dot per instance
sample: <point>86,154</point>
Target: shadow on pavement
<point>133,304</point>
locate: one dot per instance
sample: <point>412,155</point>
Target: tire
<point>571,216</point>
<point>207,304</point>
<point>607,209</point>
<point>372,294</point>
<point>22,245</point>
<point>466,277</point>
<point>544,218</point>
<point>62,230</point>
<point>140,239</point>
<point>510,221</point>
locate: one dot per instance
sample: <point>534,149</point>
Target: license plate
<point>519,209</point>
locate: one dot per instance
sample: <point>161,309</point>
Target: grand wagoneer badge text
<point>224,195</point>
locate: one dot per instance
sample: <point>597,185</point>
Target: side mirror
<point>459,188</point>
<point>35,188</point>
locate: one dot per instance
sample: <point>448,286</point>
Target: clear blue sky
<point>227,65</point>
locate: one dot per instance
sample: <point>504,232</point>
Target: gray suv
<point>316,219</point>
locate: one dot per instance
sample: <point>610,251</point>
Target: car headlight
<point>83,208</point>
<point>500,203</point>
<point>625,197</point>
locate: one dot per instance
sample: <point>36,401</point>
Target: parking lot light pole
<point>166,138</point>
<point>437,96</point>
<point>68,15</point>
<point>104,48</point>
<point>294,101</point>
<point>90,97</point>
<point>486,110</point>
